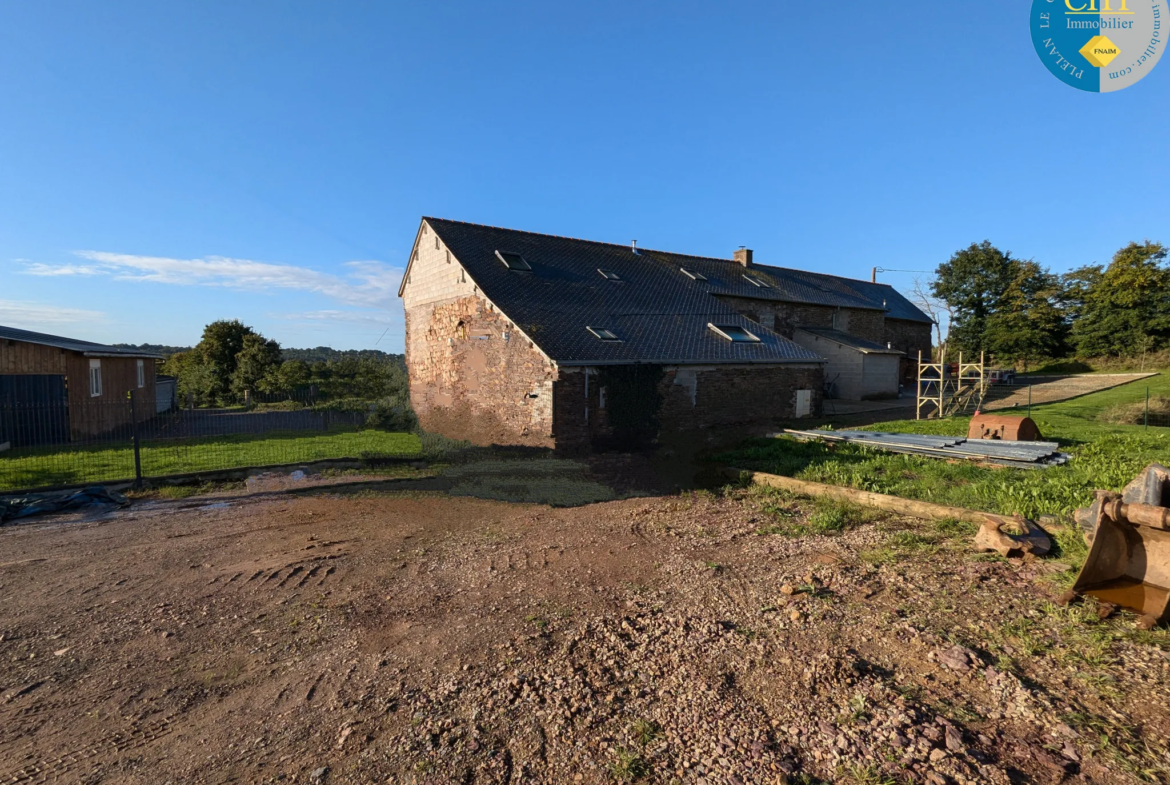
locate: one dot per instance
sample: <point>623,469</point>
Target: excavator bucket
<point>1129,552</point>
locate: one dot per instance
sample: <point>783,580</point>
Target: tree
<point>1027,323</point>
<point>222,341</point>
<point>288,378</point>
<point>193,378</point>
<point>256,360</point>
<point>937,309</point>
<point>1124,309</point>
<point>972,283</point>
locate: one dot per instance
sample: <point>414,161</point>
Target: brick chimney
<point>744,256</point>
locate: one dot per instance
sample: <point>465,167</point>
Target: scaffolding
<point>941,394</point>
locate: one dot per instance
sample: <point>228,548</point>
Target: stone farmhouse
<point>520,338</point>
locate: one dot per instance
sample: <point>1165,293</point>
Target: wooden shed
<point>55,389</point>
<point>857,369</point>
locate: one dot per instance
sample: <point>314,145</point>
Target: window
<point>436,242</point>
<point>448,257</point>
<point>734,333</point>
<point>601,397</point>
<point>609,275</point>
<point>693,275</point>
<point>95,378</point>
<point>513,261</point>
<point>754,281</point>
<point>141,373</point>
<point>603,334</point>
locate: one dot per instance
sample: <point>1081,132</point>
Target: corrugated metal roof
<point>662,313</point>
<point>845,339</point>
<point>87,348</point>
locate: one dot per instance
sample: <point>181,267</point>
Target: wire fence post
<point>1147,417</point>
<point>1029,400</point>
<point>136,440</point>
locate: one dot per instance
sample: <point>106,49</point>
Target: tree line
<point>1018,312</point>
<point>233,362</point>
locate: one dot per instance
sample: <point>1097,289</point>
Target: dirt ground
<point>419,637</point>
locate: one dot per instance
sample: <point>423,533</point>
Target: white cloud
<point>368,284</point>
<point>31,316</point>
<point>36,268</point>
<point>379,318</point>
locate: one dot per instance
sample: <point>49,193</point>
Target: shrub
<point>392,413</point>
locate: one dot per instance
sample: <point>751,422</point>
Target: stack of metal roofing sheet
<point>1026,455</point>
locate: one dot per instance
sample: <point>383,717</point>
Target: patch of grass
<point>879,556</point>
<point>865,775</point>
<point>646,732</point>
<point>1026,634</point>
<point>629,766</point>
<point>104,463</point>
<point>952,527</point>
<point>553,481</point>
<point>1135,413</point>
<point>1105,456</point>
<point>909,541</point>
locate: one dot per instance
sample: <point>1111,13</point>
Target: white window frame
<point>609,275</point>
<point>601,332</point>
<point>757,281</point>
<point>522,267</point>
<point>695,276</point>
<point>95,379</point>
<point>141,374</point>
<point>718,329</point>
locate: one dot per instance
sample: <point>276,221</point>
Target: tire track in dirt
<point>133,737</point>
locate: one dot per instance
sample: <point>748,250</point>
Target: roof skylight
<point>692,274</point>
<point>609,275</point>
<point>754,281</point>
<point>734,333</point>
<point>603,334</point>
<point>513,261</point>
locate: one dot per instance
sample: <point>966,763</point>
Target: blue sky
<point>166,164</point>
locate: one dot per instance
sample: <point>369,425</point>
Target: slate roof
<point>88,348</point>
<point>852,341</point>
<point>660,314</point>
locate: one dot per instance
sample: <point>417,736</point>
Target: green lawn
<point>1104,456</point>
<point>53,466</point>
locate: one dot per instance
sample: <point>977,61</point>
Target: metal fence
<point>1142,409</point>
<point>48,444</point>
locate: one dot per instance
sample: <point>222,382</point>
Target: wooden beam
<point>896,504</point>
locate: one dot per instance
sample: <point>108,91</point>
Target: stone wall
<point>784,318</point>
<point>698,402</point>
<point>476,378</point>
<point>473,376</point>
<point>909,337</point>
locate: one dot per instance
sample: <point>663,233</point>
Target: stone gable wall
<point>473,376</point>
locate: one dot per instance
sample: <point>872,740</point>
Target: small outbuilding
<point>855,369</point>
<point>55,389</point>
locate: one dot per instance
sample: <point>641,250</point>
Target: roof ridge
<point>577,239</point>
<point>829,275</point>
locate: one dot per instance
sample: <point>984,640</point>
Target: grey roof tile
<point>660,314</point>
